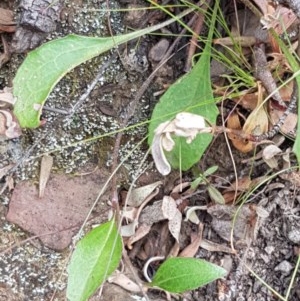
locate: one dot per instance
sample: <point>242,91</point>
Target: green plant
<point>214,194</point>
<point>45,66</point>
<point>191,93</point>
<point>96,256</point>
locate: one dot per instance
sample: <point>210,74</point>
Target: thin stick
<point>263,74</point>
<point>193,44</point>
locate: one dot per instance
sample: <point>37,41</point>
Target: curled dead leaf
<point>256,124</point>
<point>9,127</point>
<point>243,145</point>
<point>192,249</point>
<point>6,97</point>
<point>269,154</point>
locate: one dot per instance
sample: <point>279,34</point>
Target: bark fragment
<point>37,18</point>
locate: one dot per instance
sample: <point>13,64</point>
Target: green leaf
<point>210,171</point>
<point>180,274</point>
<point>198,181</point>
<point>45,66</point>
<point>96,256</point>
<point>191,93</point>
<point>215,195</point>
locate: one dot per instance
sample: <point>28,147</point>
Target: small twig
<point>196,32</point>
<point>90,88</point>
<point>5,56</point>
<point>135,275</point>
<point>263,74</point>
<point>56,110</point>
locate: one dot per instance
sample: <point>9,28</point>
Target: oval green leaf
<point>191,93</point>
<point>45,66</point>
<point>96,256</point>
<point>177,275</point>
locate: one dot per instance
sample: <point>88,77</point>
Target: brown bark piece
<point>61,211</point>
<point>7,23</point>
<point>36,20</point>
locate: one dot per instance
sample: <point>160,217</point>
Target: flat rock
<point>57,216</point>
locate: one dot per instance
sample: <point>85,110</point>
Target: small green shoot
<point>201,179</point>
<point>180,274</point>
<point>96,256</point>
<point>214,194</point>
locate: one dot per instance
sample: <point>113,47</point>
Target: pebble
<point>269,249</point>
<point>294,236</point>
<point>158,51</point>
<point>285,267</point>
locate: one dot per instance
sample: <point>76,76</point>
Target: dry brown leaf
<point>174,225</point>
<point>138,195</point>
<point>168,207</point>
<point>123,281</point>
<point>133,215</point>
<point>236,188</point>
<point>242,184</point>
<point>45,170</point>
<point>215,247</point>
<point>269,153</point>
<point>174,250</point>
<point>233,122</point>
<point>192,249</point>
<point>248,101</point>
<point>142,231</point>
<point>263,5</point>
<point>257,122</point>
<point>280,20</point>
<point>170,212</point>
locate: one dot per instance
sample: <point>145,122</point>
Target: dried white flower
<point>187,125</point>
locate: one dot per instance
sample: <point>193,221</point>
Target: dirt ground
<point>37,231</point>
